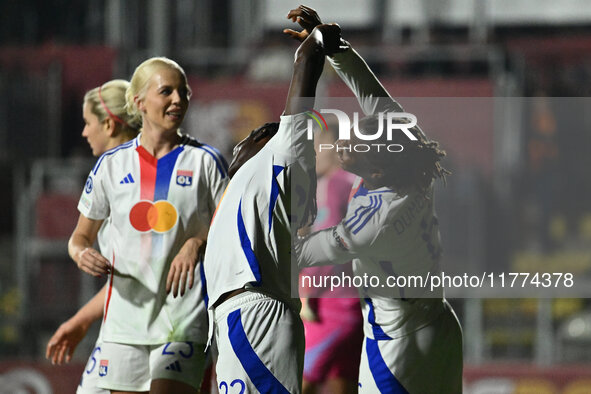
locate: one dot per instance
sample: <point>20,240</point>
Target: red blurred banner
<point>39,377</point>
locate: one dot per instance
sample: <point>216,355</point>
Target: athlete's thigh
<point>260,349</point>
<point>447,359</point>
<point>377,372</point>
<point>428,360</point>
<point>182,362</point>
<point>124,367</point>
<point>89,380</point>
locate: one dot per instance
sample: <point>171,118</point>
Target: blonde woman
<point>159,192</point>
<point>106,125</point>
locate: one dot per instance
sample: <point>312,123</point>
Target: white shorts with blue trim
<point>260,343</point>
<point>124,367</point>
<point>89,380</point>
<point>428,360</point>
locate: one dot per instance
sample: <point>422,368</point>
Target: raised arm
<point>308,64</point>
<point>349,65</point>
<point>371,94</point>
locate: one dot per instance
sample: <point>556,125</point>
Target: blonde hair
<point>141,78</point>
<point>108,101</point>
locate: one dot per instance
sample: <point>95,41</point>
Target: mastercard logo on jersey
<point>160,216</point>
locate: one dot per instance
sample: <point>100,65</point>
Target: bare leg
<point>309,387</point>
<point>340,386</point>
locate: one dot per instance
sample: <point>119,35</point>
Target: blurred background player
<point>248,268</point>
<point>159,192</point>
<point>412,344</point>
<point>107,125</point>
<point>332,319</point>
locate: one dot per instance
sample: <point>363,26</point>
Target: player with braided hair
<point>413,340</point>
<point>414,167</point>
<point>255,321</point>
<point>250,145</point>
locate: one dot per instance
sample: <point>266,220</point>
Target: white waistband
<point>238,300</point>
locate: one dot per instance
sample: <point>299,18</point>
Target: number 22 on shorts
<point>234,382</point>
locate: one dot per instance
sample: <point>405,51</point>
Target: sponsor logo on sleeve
<point>85,202</point>
<point>88,186</point>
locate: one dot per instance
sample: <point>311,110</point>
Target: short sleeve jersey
<point>249,243</point>
<point>153,206</point>
<point>386,234</point>
<point>104,242</point>
<point>393,236</point>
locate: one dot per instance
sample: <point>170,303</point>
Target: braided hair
<point>413,168</point>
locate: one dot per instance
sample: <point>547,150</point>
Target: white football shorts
<point>89,380</point>
<point>133,367</point>
<point>260,343</point>
<point>428,360</point>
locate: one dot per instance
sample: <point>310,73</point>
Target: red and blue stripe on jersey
<point>155,173</point>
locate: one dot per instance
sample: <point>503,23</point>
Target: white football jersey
<point>89,380</point>
<point>153,206</point>
<point>103,238</point>
<point>249,242</point>
<point>386,235</point>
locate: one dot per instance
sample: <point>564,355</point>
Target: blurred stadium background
<point>519,198</point>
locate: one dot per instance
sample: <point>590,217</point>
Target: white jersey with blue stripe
<point>386,234</point>
<point>89,380</point>
<point>249,242</point>
<point>153,207</point>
